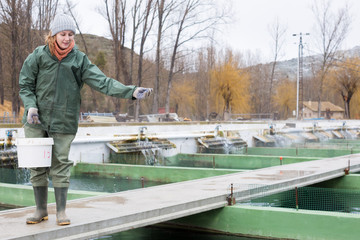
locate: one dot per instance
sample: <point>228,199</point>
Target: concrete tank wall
<point>90,142</point>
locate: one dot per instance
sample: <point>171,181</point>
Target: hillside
<point>289,68</point>
<point>95,44</point>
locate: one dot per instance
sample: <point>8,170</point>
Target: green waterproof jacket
<point>53,87</point>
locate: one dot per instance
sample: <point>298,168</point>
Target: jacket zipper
<point>52,104</point>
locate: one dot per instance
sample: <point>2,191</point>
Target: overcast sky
<point>249,28</point>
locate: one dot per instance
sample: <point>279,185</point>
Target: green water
<point>111,185</point>
<point>14,176</point>
<point>79,182</point>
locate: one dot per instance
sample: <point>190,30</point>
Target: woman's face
<point>64,39</point>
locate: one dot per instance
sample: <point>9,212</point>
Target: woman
<point>50,82</point>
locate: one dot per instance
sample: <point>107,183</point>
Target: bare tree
<point>210,65</point>
<point>122,51</point>
<point>135,27</point>
<point>10,14</point>
<point>347,81</point>
<point>332,29</point>
<point>115,15</point>
<point>25,32</point>
<point>47,10</point>
<point>277,33</point>
<point>164,10</point>
<point>28,25</point>
<point>16,16</point>
<point>1,80</point>
<point>201,83</point>
<point>259,73</point>
<point>147,22</point>
<point>205,62</point>
<point>112,18</point>
<point>194,20</point>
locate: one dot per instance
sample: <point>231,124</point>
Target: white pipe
<point>167,135</point>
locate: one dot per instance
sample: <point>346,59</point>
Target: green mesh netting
<point>312,198</point>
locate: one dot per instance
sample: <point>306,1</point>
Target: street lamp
<point>299,82</point>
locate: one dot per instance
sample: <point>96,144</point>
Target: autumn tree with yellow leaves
<point>345,81</point>
<point>230,88</point>
<point>354,107</point>
<point>285,98</point>
<point>183,98</point>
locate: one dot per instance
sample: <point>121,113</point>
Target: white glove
<point>33,116</point>
<point>141,92</point>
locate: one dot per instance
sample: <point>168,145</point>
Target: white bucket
<point>34,152</point>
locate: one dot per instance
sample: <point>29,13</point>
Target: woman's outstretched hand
<point>141,92</point>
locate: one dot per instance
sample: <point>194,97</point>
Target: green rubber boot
<point>41,214</point>
<point>60,197</point>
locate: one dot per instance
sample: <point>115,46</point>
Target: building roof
<point>313,106</point>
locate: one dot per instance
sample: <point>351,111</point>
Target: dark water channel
<point>154,233</point>
<point>3,208</point>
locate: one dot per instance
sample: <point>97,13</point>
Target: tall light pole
<point>299,82</point>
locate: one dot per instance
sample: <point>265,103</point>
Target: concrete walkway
<point>101,215</point>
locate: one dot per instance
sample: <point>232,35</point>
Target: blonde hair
<point>50,41</point>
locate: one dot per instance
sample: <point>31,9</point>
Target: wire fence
<point>313,198</point>
<point>254,116</point>
<point>7,118</point>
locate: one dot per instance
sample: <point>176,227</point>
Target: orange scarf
<point>61,53</point>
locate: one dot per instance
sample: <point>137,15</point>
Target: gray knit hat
<point>62,22</point>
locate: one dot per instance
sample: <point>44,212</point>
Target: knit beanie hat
<point>62,22</point>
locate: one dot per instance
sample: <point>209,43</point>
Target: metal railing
<point>253,116</point>
<point>85,114</point>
